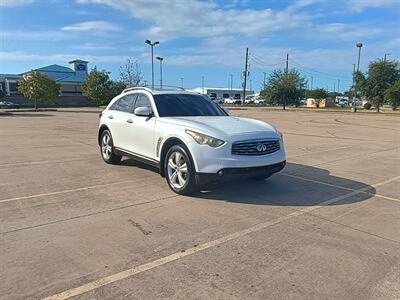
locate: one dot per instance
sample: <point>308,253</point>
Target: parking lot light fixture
<point>161,60</point>
<point>354,107</point>
<point>152,44</point>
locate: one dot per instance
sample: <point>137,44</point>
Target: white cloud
<point>345,32</point>
<point>52,58</point>
<point>196,18</point>
<point>40,35</point>
<point>14,2</point>
<point>359,5</point>
<point>92,25</point>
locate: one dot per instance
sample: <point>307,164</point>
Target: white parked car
<point>190,139</point>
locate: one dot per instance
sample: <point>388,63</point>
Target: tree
<point>130,73</point>
<point>392,94</point>
<point>381,75</point>
<point>99,88</point>
<point>284,88</point>
<point>317,94</point>
<point>38,87</point>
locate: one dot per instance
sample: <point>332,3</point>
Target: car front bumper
<point>211,160</point>
<point>236,173</point>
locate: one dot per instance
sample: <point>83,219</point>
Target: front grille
<point>255,147</point>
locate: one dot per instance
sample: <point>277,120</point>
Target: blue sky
<point>201,38</point>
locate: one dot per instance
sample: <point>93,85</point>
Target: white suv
<point>190,139</point>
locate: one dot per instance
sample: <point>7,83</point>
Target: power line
<point>334,76</point>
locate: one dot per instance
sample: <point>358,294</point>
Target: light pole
<point>160,59</point>
<point>202,84</point>
<point>231,75</point>
<point>152,44</point>
<point>182,81</point>
<point>354,108</point>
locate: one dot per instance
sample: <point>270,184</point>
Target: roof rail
<point>136,88</point>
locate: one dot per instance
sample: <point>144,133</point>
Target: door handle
<point>111,117</point>
<point>129,121</point>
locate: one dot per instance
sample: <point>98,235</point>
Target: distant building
<point>320,103</point>
<point>222,93</point>
<point>70,78</point>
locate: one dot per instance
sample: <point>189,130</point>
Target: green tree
<point>38,87</point>
<point>317,94</point>
<point>284,88</point>
<point>99,88</point>
<point>381,75</point>
<point>392,94</point>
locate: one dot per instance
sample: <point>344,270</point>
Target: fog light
<point>220,173</point>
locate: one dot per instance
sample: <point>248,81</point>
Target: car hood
<point>224,125</point>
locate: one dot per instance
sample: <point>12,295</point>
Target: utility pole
<point>152,44</point>
<point>265,75</point>
<point>231,82</point>
<point>245,74</point>
<point>354,107</point>
<point>312,79</point>
<point>182,82</point>
<point>338,82</point>
<point>161,60</point>
<point>286,77</point>
<point>202,84</point>
<point>334,87</point>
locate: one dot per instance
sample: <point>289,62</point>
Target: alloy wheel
<point>106,148</point>
<point>177,170</point>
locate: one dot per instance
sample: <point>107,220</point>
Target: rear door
<point>121,119</point>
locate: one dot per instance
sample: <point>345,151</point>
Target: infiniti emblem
<point>261,148</point>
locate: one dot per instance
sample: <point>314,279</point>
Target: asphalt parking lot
<point>327,227</point>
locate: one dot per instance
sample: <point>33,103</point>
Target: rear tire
<point>179,171</point>
<point>107,148</point>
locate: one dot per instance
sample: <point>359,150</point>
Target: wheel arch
<point>101,130</point>
<point>172,141</point>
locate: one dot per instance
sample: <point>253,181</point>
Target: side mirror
<point>226,110</point>
<point>143,111</point>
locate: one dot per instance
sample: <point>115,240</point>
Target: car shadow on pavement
<point>296,185</point>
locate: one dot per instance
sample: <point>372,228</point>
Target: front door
<point>143,141</point>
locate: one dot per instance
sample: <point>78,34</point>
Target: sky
<point>202,38</point>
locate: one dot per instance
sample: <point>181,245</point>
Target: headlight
<point>203,139</point>
<point>280,134</point>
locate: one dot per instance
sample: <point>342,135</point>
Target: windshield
<point>184,105</point>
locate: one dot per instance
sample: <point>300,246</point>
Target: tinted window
<point>179,105</point>
<point>225,95</point>
<point>124,104</point>
<point>143,101</point>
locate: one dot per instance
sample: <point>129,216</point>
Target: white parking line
<point>363,190</point>
<point>40,162</point>
<point>178,255</point>
<point>65,191</point>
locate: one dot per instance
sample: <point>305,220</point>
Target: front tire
<point>180,171</point>
<point>107,148</point>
